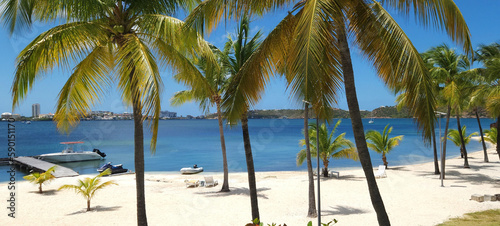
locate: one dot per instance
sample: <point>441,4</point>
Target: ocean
<point>183,143</point>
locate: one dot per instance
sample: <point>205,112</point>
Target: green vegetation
<point>41,178</point>
<point>89,186</point>
<point>483,218</point>
<point>381,143</point>
<point>455,137</point>
<point>331,147</point>
<point>491,135</point>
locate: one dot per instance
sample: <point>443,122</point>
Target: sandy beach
<point>412,196</point>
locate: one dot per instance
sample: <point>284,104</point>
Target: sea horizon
<point>183,143</point>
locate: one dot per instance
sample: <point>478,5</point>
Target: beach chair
<point>192,183</point>
<point>209,182</point>
<point>332,173</point>
<point>381,172</point>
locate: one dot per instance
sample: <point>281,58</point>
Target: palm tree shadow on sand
<point>96,209</point>
<point>46,192</point>
<point>235,191</point>
<point>342,210</point>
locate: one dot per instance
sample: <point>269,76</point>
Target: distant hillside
<point>381,112</point>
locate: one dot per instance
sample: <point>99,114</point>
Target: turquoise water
<point>182,143</point>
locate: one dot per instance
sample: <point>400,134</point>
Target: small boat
<point>192,170</point>
<point>69,155</point>
<point>114,168</point>
<point>28,122</point>
<point>371,121</point>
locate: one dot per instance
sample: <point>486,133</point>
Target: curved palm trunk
<point>482,136</point>
<point>88,204</point>
<point>466,161</point>
<point>225,184</point>
<point>498,136</point>
<point>139,161</point>
<point>250,167</point>
<point>443,157</point>
<point>357,127</point>
<point>384,159</point>
<point>436,165</point>
<point>311,212</point>
<point>325,169</point>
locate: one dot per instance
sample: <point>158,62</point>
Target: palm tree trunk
<point>225,184</point>
<point>311,212</point>
<point>357,127</point>
<point>482,136</point>
<point>466,161</point>
<point>325,170</point>
<point>384,159</point>
<point>250,167</point>
<point>139,160</point>
<point>443,157</point>
<point>40,188</point>
<point>436,165</point>
<point>498,136</point>
<point>88,204</point>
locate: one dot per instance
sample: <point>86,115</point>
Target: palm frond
<point>138,76</point>
<point>56,47</point>
<point>83,88</point>
<point>442,14</point>
<point>397,61</point>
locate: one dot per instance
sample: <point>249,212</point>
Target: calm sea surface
<point>182,143</point>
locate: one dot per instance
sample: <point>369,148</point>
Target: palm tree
<point>89,186</point>
<point>235,104</point>
<point>491,136</point>
<point>456,137</point>
<point>381,143</point>
<point>490,57</point>
<point>314,37</point>
<point>448,69</point>
<point>476,100</point>
<point>207,87</point>
<point>330,147</point>
<point>41,178</point>
<point>110,41</point>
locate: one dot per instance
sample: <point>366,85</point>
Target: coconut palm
<point>490,90</point>
<point>310,44</point>
<point>381,143</point>
<point>477,100</point>
<point>109,41</point>
<point>456,138</point>
<point>235,104</point>
<point>330,147</point>
<point>89,186</point>
<point>491,136</point>
<point>448,69</point>
<point>207,87</point>
<point>41,178</point>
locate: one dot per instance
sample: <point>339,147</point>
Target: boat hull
<point>191,170</point>
<point>70,157</point>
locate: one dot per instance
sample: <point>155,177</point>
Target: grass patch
<point>483,218</point>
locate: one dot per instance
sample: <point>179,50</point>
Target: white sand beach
<point>412,196</point>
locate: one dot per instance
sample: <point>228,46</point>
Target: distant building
<point>49,115</point>
<point>168,114</point>
<point>7,115</point>
<point>35,110</point>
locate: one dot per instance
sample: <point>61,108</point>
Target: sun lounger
<point>337,174</point>
<point>381,171</point>
<point>192,183</point>
<point>209,182</point>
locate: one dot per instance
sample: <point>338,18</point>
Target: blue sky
<point>482,17</point>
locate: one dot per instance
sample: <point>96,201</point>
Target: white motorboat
<point>70,155</point>
<point>191,170</point>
